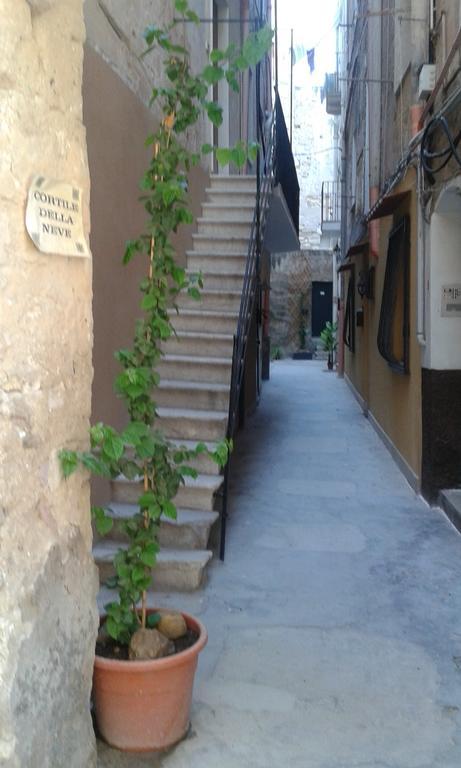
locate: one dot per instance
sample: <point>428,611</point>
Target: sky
<point>312,28</point>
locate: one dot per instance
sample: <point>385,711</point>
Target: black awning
<point>387,205</point>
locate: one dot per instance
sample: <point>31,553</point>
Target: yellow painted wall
<point>393,399</point>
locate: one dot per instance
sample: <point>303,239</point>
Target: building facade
<point>399,89</point>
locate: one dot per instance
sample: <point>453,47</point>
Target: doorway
<point>322,306</point>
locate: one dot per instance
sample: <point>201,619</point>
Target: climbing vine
<point>141,451</point>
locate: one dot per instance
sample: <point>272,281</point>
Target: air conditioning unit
<point>426,81</point>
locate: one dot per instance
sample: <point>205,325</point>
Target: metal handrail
<point>250,292</point>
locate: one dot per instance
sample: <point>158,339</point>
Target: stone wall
<point>48,583</point>
<point>291,280</point>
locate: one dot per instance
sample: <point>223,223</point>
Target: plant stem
<point>146,524</point>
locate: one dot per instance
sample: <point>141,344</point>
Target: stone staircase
<point>193,395</point>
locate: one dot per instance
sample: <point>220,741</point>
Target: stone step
<point>193,368</point>
<point>212,262</point>
<point>205,395</point>
<point>176,569</point>
<point>217,281</point>
<point>201,344</point>
<point>244,183</point>
<point>224,197</point>
<point>220,243</point>
<point>191,424</point>
<point>232,229</point>
<point>198,319</point>
<point>190,530</point>
<point>209,299</point>
<point>242,211</point>
<point>196,493</point>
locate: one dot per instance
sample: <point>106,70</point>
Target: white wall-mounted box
<point>426,81</point>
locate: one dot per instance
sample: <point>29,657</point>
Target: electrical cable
<point>446,154</point>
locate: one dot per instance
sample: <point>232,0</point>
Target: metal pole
<point>291,89</point>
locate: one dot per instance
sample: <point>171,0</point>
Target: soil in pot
<point>110,649</point>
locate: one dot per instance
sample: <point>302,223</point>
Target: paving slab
<point>335,621</point>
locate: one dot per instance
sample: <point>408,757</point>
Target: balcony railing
<point>331,207</point>
<point>332,94</point>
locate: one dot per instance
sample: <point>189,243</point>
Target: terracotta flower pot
<point>144,705</point>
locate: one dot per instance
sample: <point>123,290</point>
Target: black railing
<point>250,294</point>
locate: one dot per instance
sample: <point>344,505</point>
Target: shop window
<point>393,332</point>
<point>349,314</point>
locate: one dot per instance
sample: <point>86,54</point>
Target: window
<point>393,332</point>
<point>349,313</point>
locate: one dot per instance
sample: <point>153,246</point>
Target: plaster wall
<point>115,31</point>
<point>393,399</point>
<point>48,583</point>
<point>444,343</point>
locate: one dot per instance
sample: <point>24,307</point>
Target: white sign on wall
<point>54,217</point>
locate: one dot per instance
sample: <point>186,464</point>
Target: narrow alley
<point>334,623</point>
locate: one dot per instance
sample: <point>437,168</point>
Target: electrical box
<point>426,81</point>
<point>451,300</point>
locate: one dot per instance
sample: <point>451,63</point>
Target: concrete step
<point>237,182</point>
<point>206,396</point>
<point>242,211</point>
<point>212,262</point>
<point>209,299</point>
<point>198,319</point>
<point>193,368</point>
<point>191,424</point>
<point>450,501</point>
<point>176,569</point>
<point>196,493</point>
<point>220,243</point>
<point>217,281</point>
<point>224,197</point>
<point>231,229</point>
<point>201,344</point>
<point>190,530</point>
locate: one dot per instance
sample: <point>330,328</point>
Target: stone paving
<point>335,622</point>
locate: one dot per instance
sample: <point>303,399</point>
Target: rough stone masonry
<point>48,583</point>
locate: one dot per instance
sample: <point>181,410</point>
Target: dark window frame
<point>349,312</point>
<point>398,255</point>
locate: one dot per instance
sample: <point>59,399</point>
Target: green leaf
<point>181,5</point>
<point>223,155</point>
<point>213,74</point>
<point>95,465</point>
<point>134,433</point>
<point>149,555</point>
<point>169,510</point>
<point>138,573</point>
<point>216,56</point>
<point>153,619</point>
<point>194,293</point>
<point>207,149</point>
<point>214,112</point>
<point>97,434</point>
<point>147,499</point>
<point>192,17</point>
<point>68,461</point>
<point>112,627</point>
<point>103,522</point>
<point>113,446</point>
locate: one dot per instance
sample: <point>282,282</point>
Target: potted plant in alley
<point>328,337</point>
<point>145,658</point>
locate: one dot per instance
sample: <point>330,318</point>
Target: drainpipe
<point>416,112</point>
